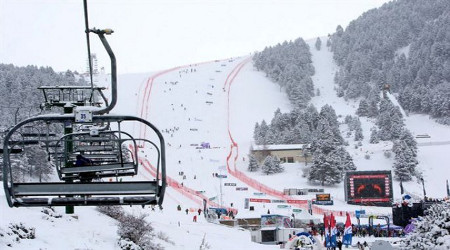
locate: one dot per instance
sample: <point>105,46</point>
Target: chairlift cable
<point>86,21</point>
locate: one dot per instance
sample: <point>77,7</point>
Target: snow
<point>219,102</point>
<point>404,51</point>
<point>278,147</point>
<point>395,102</point>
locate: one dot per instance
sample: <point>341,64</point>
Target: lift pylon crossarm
<point>59,96</point>
<point>101,31</point>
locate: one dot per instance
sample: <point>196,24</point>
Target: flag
<point>326,230</point>
<point>333,231</point>
<point>347,239</point>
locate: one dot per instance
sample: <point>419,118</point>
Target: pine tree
<point>253,164</point>
<point>374,139</point>
<point>311,116</point>
<point>345,160</point>
<point>318,43</point>
<point>410,141</point>
<point>327,112</point>
<point>432,231</point>
<point>268,166</point>
<point>324,169</point>
<point>405,162</point>
<point>358,130</point>
<point>363,108</point>
<point>278,168</point>
<point>373,109</point>
<point>257,134</point>
<point>263,130</point>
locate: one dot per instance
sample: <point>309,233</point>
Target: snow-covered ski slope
<point>219,102</point>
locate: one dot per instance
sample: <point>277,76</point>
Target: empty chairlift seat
<point>89,185</point>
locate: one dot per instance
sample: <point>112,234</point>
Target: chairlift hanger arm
<point>101,35</point>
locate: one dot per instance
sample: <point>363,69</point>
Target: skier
<point>199,211</point>
<point>179,208</point>
<point>195,218</point>
<point>187,211</point>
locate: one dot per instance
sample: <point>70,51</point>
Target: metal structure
<point>85,128</point>
<point>91,190</point>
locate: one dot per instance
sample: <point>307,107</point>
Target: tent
<point>306,218</point>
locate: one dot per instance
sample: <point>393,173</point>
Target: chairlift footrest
<point>85,201</point>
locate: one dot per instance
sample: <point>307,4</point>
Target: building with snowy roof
<point>287,153</point>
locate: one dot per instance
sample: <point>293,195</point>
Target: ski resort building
<point>287,153</point>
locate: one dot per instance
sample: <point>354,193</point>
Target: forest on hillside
<point>289,64</point>
<point>20,97</point>
<point>405,45</point>
<point>401,47</point>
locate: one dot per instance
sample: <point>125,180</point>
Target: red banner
<point>297,201</point>
<point>367,176</point>
<point>371,200</point>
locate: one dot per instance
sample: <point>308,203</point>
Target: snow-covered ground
<point>219,102</point>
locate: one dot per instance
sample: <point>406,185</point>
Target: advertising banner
<point>259,200</point>
<point>297,201</point>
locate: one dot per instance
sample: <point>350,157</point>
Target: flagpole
<point>448,190</point>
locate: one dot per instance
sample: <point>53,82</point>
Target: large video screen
<point>366,188</point>
<point>369,187</point>
<point>323,197</point>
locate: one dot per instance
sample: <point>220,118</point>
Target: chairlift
<point>77,191</point>
<point>77,134</point>
<point>107,160</point>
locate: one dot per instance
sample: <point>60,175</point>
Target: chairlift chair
<point>79,193</point>
<point>72,189</point>
<point>106,161</point>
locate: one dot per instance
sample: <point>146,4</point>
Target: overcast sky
<point>158,34</point>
